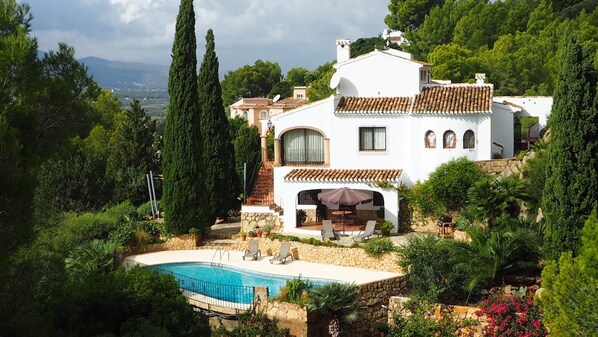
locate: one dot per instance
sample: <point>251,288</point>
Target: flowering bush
<point>514,316</point>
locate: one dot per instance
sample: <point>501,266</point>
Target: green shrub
<point>125,211</point>
<point>416,320</point>
<point>430,272</point>
<point>296,291</point>
<point>386,227</point>
<point>251,324</point>
<point>377,247</point>
<point>123,234</point>
<point>449,183</point>
<point>145,209</point>
<point>282,237</point>
<point>79,229</point>
<point>316,242</point>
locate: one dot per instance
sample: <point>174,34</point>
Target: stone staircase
<point>263,189</point>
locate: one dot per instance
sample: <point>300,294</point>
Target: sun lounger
<point>253,250</point>
<point>328,231</point>
<point>370,229</point>
<point>285,252</point>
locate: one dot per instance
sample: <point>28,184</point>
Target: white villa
<point>388,122</point>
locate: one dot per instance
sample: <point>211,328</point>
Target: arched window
<point>469,140</point>
<point>449,141</point>
<point>430,139</point>
<point>303,147</point>
<point>263,114</point>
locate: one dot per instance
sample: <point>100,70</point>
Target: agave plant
<point>93,257</point>
<point>338,301</point>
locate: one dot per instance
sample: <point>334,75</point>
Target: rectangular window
<point>423,76</point>
<point>372,139</point>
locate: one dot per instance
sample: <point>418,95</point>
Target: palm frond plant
<point>338,301</point>
<point>495,253</point>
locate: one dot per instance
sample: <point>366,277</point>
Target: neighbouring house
<point>257,111</point>
<point>388,122</point>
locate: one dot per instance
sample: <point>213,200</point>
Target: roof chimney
<point>480,78</point>
<point>343,50</point>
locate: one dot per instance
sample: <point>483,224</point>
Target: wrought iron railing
<point>214,294</point>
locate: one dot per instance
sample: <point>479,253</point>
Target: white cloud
<point>290,32</point>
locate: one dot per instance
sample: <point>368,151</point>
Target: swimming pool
<point>225,283</point>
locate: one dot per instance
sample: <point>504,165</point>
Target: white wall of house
<point>536,106</point>
<point>423,161</point>
<point>503,132</point>
<point>393,76</point>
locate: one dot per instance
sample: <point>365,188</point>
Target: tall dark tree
<point>571,190</point>
<point>132,154</point>
<point>183,199</point>
<point>218,156</point>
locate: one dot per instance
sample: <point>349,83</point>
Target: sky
<point>294,33</point>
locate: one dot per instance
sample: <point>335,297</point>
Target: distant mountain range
<point>125,75</point>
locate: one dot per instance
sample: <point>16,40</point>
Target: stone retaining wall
<point>339,256</point>
<point>251,220</point>
<point>372,297</point>
<point>396,306</point>
<point>372,304</point>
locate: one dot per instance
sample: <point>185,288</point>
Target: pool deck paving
<point>262,265</point>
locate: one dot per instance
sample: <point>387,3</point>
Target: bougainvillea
<point>514,316</point>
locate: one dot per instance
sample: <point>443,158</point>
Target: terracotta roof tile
<point>339,175</point>
<point>442,99</point>
<point>393,105</point>
<point>454,99</point>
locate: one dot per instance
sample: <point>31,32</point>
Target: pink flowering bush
<point>514,316</point>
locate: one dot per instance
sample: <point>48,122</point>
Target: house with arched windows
<point>388,124</point>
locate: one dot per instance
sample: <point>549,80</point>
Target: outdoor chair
<point>328,231</point>
<point>252,250</point>
<point>369,231</point>
<point>283,254</point>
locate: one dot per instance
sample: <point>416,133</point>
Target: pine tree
<point>571,190</point>
<point>218,158</point>
<point>183,199</point>
<point>131,157</point>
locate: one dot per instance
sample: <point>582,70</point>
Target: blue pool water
<point>224,283</point>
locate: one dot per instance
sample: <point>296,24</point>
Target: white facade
<point>377,124</point>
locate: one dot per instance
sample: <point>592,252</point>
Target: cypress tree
<point>218,157</point>
<point>571,190</point>
<point>183,184</point>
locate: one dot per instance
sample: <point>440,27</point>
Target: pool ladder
<point>221,253</point>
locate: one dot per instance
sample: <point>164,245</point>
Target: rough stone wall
<point>251,220</point>
<point>396,307</point>
<point>340,256</point>
<point>372,296</point>
<point>373,301</point>
<point>289,316</point>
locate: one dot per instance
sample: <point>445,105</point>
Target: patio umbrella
<point>344,196</point>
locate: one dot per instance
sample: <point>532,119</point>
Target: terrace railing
<point>215,295</point>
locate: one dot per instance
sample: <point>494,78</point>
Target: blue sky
<point>291,32</point>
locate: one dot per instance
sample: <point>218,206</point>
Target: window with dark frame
<point>430,139</point>
<point>309,197</point>
<point>378,199</point>
<point>469,140</point>
<point>449,140</point>
<point>372,139</point>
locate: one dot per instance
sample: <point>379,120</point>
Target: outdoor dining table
<point>342,215</point>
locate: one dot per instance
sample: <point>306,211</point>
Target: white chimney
<point>480,78</point>
<point>343,50</point>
